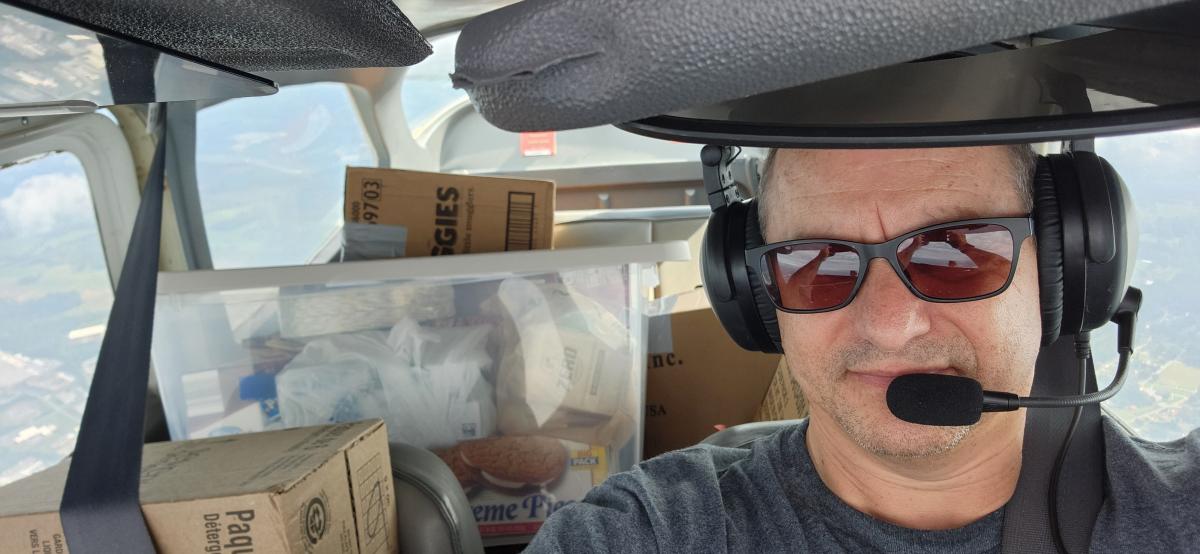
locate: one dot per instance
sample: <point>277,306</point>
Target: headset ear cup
<point>766,309</point>
<point>726,282</point>
<point>1111,237</point>
<point>1048,234</point>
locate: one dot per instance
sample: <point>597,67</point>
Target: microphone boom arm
<point>1126,320</point>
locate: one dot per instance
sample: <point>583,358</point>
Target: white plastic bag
<point>567,366</point>
<point>426,383</point>
<point>446,398</point>
<point>334,379</point>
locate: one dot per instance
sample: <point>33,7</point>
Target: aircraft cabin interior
<point>414,275</point>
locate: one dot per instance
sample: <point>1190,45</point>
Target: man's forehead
<point>875,194</point>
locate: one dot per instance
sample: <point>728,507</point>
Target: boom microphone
<point>945,400</point>
<point>949,400</point>
<point>932,399</point>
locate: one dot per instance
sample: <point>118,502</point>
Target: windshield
<point>427,90</point>
<point>270,172</point>
<point>1161,399</point>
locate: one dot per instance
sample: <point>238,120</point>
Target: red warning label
<point>540,143</point>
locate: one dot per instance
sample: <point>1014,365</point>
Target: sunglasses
<point>958,261</point>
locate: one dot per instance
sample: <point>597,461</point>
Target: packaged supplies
<point>314,489</point>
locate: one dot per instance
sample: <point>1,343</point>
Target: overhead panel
<point>258,35</point>
<point>830,72</point>
<point>56,67</point>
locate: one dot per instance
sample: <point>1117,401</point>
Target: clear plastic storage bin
<point>524,371</point>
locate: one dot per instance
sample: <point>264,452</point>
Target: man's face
<point>845,359</point>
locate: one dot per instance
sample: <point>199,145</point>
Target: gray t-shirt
<point>769,498</point>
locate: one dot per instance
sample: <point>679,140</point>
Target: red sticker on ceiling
<point>541,143</point>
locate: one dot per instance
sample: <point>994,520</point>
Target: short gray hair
<point>1022,156</point>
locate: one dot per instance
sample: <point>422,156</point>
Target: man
<point>852,477</point>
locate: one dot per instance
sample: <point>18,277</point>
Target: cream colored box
<point>696,377</point>
<point>581,228</point>
<point>444,214</point>
<point>320,489</point>
<point>784,399</point>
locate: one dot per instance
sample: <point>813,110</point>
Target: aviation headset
<point>1083,225</point>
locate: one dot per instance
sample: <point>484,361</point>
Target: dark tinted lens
<point>955,263</point>
<point>812,276</point>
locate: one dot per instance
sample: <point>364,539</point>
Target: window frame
<point>107,163</point>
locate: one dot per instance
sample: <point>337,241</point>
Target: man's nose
<point>886,313</point>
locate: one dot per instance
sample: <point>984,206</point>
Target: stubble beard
<point>867,421</point>
<point>928,442</point>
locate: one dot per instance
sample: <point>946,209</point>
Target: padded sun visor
<point>258,35</point>
<point>565,64</point>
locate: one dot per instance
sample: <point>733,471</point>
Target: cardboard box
<point>311,490</point>
<point>696,376</point>
<point>557,472</point>
<point>640,226</point>
<point>680,277</point>
<point>784,399</point>
<point>452,214</point>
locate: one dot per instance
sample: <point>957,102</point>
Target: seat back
<point>741,436</point>
<point>433,510</point>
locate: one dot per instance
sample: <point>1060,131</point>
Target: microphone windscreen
<point>932,399</point>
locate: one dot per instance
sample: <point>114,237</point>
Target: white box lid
<point>459,265</point>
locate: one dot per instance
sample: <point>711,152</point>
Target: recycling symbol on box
<point>316,519</point>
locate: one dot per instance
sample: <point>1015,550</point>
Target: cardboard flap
<point>39,493</point>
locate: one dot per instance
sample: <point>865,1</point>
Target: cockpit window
<point>1161,399</point>
<point>271,172</point>
<point>426,91</point>
<point>55,295</point>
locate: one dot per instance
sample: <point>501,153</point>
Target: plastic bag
<point>567,366</point>
<point>445,397</point>
<point>362,241</point>
<point>334,379</point>
<point>426,383</point>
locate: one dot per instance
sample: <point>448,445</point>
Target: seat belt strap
<point>1082,486</point>
<point>100,508</point>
